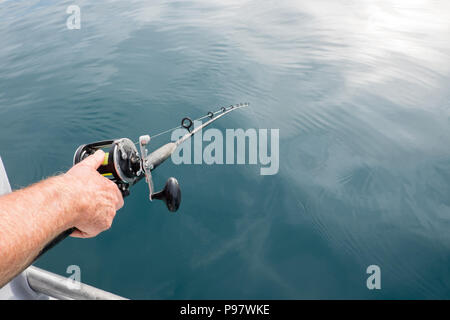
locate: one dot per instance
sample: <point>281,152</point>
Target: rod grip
<point>55,241</point>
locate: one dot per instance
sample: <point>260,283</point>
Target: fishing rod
<point>126,166</point>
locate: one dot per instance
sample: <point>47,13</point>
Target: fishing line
<point>210,115</point>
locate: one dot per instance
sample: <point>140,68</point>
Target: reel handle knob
<point>171,194</point>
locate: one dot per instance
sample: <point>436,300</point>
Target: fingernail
<point>99,151</point>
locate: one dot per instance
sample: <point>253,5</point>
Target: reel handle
<point>170,195</point>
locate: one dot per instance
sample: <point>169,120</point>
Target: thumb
<point>95,160</point>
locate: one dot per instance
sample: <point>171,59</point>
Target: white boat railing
<point>61,288</point>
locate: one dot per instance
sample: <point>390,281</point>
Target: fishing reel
<point>125,167</point>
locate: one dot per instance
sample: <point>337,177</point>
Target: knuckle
<point>109,219</point>
<point>106,224</point>
<point>112,186</point>
<point>109,223</point>
<point>119,198</point>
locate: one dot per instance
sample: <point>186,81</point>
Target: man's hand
<point>96,198</point>
<point>31,217</point>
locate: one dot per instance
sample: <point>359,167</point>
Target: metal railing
<point>56,286</point>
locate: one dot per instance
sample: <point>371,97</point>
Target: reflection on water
<point>359,90</point>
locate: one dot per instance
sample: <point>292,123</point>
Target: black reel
<point>122,163</point>
<point>124,166</point>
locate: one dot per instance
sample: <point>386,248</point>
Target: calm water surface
<point>358,89</point>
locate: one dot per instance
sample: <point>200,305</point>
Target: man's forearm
<point>29,219</point>
<point>32,217</point>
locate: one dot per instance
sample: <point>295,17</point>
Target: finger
<point>117,195</point>
<point>120,202</point>
<point>95,160</point>
<point>79,234</point>
<point>118,198</point>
